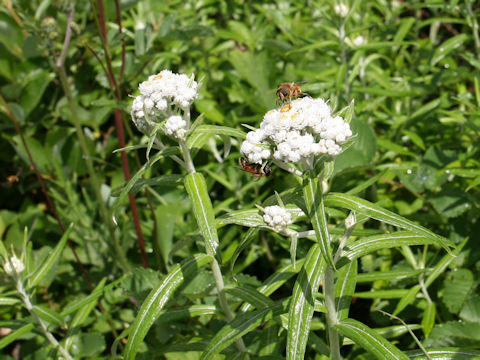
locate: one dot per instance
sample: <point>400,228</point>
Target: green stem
<point>28,304</point>
<point>332,319</point>
<point>216,271</point>
<point>187,157</point>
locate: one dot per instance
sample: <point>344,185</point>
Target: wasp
<point>288,91</point>
<point>257,170</point>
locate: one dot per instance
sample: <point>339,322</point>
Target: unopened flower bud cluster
<point>16,263</point>
<point>161,96</point>
<point>298,130</point>
<point>278,218</point>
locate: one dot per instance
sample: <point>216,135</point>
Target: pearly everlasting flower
<point>162,96</point>
<point>169,87</point>
<point>278,218</point>
<point>299,130</point>
<point>176,127</point>
<point>359,40</point>
<point>341,10</point>
<point>16,263</point>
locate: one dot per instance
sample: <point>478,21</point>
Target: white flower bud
<point>175,126</point>
<point>278,218</point>
<point>16,263</point>
<point>341,10</point>
<point>359,41</point>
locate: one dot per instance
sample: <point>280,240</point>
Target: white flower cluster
<point>16,263</point>
<point>176,127</point>
<point>159,96</point>
<point>341,10</point>
<point>298,130</point>
<point>278,218</point>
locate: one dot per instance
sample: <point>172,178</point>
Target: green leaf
<point>443,263</point>
<point>5,301</point>
<point>388,275</point>
<point>345,288</point>
<point>202,133</point>
<point>407,299</point>
<point>457,286</point>
<point>81,316</point>
<point>302,304</point>
<point>45,267</point>
<point>37,81</point>
<point>252,296</point>
<point>211,110</point>
<point>48,315</point>
<point>246,240</point>
<point>157,299</point>
<point>454,333</point>
<point>450,202</point>
<point>447,47</point>
<point>428,319</point>
<point>7,340</point>
<point>89,344</point>
<point>370,244</point>
<point>378,213</point>
<point>362,150</point>
<point>202,208</point>
<point>471,309</point>
<point>445,354</point>
<point>187,312</point>
<point>368,339</point>
<point>312,192</point>
<point>241,325</point>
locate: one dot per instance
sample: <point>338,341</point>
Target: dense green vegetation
<point>405,73</point>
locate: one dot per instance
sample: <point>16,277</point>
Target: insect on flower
<point>289,90</point>
<point>257,170</point>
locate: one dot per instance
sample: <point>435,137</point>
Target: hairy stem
<point>332,320</point>
<point>28,304</point>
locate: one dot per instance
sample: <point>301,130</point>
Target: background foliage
<point>415,83</point>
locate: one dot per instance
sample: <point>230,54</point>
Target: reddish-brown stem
<point>50,205</point>
<point>126,174</point>
<point>122,39</point>
<point>102,23</point>
<point>116,90</point>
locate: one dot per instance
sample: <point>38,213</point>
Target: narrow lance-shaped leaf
<point>241,325</point>
<point>7,340</point>
<point>43,269</point>
<point>345,288</point>
<point>445,354</point>
<point>203,210</point>
<point>370,244</point>
<point>368,339</point>
<point>378,213</point>
<point>157,299</point>
<point>302,304</point>
<point>312,192</point>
